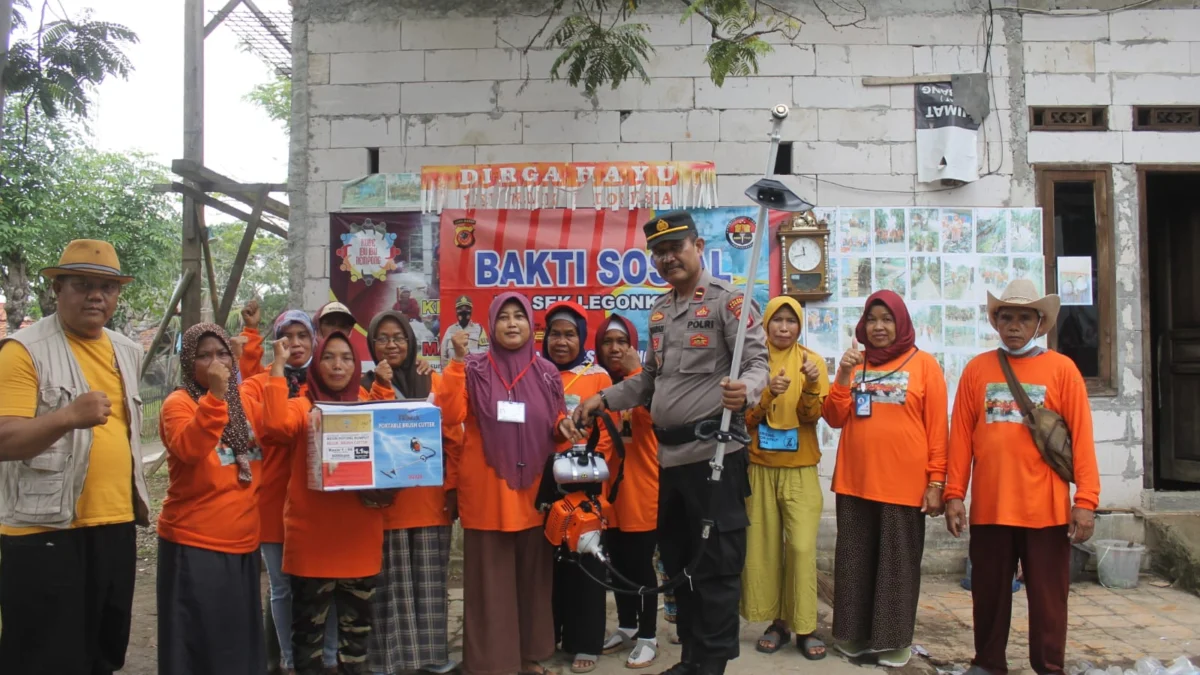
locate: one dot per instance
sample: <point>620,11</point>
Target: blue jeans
<point>281,610</point>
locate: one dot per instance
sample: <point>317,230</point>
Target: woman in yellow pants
<point>779,581</point>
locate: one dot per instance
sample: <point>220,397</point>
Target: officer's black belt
<point>686,433</point>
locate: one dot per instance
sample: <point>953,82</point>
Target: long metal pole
<point>761,232</point>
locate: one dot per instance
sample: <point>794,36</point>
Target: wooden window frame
<point>1099,118</point>
<point>1166,128</point>
<point>1106,292</point>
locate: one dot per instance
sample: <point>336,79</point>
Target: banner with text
<point>947,137</point>
<point>547,185</point>
<point>596,258</point>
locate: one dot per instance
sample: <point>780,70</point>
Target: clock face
<point>804,254</point>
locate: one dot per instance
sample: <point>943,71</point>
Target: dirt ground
<point>1107,627</point>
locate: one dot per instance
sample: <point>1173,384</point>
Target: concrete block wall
<point>428,89</point>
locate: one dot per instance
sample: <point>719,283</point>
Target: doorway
<point>1172,238</point>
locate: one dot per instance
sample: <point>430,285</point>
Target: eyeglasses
<point>384,340</point>
<point>85,286</point>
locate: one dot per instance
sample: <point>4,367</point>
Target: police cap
<point>672,226</point>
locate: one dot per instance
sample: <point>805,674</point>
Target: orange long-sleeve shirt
<point>276,466</point>
<point>892,455</point>
<point>1012,484</point>
<point>327,535</point>
<point>206,506</point>
<point>426,506</point>
<point>485,501</point>
<point>252,354</point>
<point>637,499</point>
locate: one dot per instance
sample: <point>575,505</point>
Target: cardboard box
<point>376,445</point>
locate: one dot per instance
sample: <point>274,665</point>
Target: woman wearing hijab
<point>410,603</point>
<point>334,540</point>
<point>514,404</point>
<point>889,400</point>
<point>579,608</point>
<point>296,328</point>
<point>632,542</point>
<point>779,581</point>
<point>209,600</point>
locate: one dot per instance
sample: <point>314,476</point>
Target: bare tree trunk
<point>14,282</point>
<point>45,298</point>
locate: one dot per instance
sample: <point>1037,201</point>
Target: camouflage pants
<point>311,602</point>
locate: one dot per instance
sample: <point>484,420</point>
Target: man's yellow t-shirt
<point>108,487</point>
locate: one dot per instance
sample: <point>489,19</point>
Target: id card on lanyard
<point>510,411</point>
<point>778,440</point>
<point>862,401</point>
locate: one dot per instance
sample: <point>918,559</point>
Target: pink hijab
<point>516,452</point>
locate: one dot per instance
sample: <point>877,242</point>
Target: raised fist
<point>252,314</point>
<point>383,372</point>
<point>90,410</point>
<point>218,380</point>
<point>237,345</point>
<point>459,343</point>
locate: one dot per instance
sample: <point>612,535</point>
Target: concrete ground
<point>1106,627</point>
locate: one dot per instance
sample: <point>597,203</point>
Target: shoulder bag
<point>1049,429</point>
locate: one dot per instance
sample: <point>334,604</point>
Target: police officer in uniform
<point>693,329</point>
<point>477,341</point>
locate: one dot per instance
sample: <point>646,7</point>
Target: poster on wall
<point>943,262</point>
<point>947,137</point>
<point>1075,280</point>
<point>595,258</point>
<point>387,261</point>
<point>391,191</point>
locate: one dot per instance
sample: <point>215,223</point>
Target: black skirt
<point>209,612</point>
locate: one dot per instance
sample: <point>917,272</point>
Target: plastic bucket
<point>1118,563</point>
<point>1080,555</point>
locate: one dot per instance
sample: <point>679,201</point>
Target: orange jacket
<point>327,535</point>
<point>637,499</point>
<point>426,506</point>
<point>276,466</point>
<point>892,455</point>
<point>206,506</point>
<point>252,354</point>
<point>1012,484</point>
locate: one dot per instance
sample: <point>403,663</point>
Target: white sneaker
<point>619,640</point>
<point>643,654</point>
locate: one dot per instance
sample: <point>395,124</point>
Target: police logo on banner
<point>740,232</point>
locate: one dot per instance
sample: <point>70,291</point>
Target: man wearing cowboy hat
<point>71,484</point>
<point>477,342</point>
<point>1021,509</point>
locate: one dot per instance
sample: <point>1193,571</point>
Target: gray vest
<point>43,491</point>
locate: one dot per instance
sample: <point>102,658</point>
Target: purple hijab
<point>516,452</point>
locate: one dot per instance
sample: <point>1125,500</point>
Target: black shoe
<point>682,669</point>
<point>712,667</point>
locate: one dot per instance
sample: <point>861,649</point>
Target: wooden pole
<point>168,314</point>
<point>239,262</point>
<point>211,271</point>
<point>193,150</point>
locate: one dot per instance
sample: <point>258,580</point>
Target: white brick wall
<point>867,125</point>
<point>1160,89</point>
<point>578,127</point>
<point>878,60</point>
<point>369,99</point>
<point>476,129</point>
<point>754,125</point>
<point>840,92</point>
<point>472,64</point>
<point>1060,57</point>
<point>1082,89</point>
<point>1144,57</point>
<point>650,127</point>
<point>448,34</point>
<point>744,92</point>
<point>1158,24</point>
<point>375,36</point>
<point>1074,146</point>
<point>375,67</point>
<point>1043,28</point>
<point>447,97</point>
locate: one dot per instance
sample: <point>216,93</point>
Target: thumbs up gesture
<point>810,370</point>
<point>853,358</point>
<point>779,383</point>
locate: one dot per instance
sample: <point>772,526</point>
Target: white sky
<point>146,112</point>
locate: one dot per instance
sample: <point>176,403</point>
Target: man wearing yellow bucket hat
<point>71,484</point>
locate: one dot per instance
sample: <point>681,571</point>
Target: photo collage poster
<point>942,261</point>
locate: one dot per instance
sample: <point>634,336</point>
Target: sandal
<point>773,639</point>
<point>541,670</point>
<point>809,646</point>
<point>618,641</point>
<point>590,659</point>
<point>643,655</point>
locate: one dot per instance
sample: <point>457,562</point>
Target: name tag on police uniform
<point>862,402</point>
<point>778,440</point>
<point>510,411</point>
